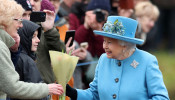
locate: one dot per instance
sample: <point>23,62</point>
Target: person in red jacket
<point>76,17</point>
<point>95,16</point>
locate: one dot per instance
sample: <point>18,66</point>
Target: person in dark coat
<point>26,67</point>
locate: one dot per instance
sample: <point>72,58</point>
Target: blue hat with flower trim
<point>121,28</point>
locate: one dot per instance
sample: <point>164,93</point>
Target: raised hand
<point>50,18</point>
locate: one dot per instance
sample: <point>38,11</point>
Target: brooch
<point>134,64</point>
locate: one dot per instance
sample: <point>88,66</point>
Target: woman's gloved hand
<point>71,92</point>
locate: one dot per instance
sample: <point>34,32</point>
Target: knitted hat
<point>25,4</point>
<point>99,4</point>
<point>45,4</point>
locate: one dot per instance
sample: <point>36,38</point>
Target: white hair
<point>146,8</point>
<point>9,9</point>
<point>129,46</point>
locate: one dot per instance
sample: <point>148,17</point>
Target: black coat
<point>15,56</point>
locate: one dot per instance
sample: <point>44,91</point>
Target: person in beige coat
<point>10,21</point>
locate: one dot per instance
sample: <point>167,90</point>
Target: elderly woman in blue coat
<point>123,72</point>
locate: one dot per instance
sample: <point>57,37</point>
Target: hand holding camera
<point>94,19</point>
<point>100,16</point>
<point>50,18</point>
<point>46,18</point>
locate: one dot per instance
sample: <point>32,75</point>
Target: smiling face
<point>15,25</point>
<point>147,14</point>
<point>147,23</point>
<point>112,48</point>
<point>35,41</point>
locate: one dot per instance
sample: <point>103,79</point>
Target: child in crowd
<point>26,66</point>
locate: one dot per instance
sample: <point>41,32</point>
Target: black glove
<point>71,92</point>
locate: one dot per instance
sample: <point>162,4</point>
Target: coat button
<point>119,63</point>
<point>114,96</point>
<point>116,80</point>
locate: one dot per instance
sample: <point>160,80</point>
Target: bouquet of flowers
<point>63,68</point>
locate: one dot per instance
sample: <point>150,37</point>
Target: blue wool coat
<point>135,78</point>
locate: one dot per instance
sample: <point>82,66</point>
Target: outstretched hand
<point>55,89</point>
<point>50,18</point>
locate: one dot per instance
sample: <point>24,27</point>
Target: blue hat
<point>121,28</point>
<point>99,4</point>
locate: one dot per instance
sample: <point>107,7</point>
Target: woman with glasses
<point>10,22</point>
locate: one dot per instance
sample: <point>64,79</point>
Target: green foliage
<point>62,51</point>
<point>167,66</point>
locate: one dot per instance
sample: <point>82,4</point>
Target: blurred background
<point>156,25</point>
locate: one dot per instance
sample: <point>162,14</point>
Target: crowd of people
<point>113,32</point>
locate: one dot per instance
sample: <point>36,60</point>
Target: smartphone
<point>38,16</point>
<point>70,33</point>
<point>100,16</point>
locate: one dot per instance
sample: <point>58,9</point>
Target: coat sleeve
<point>53,41</point>
<point>11,85</point>
<point>154,79</point>
<point>92,92</point>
